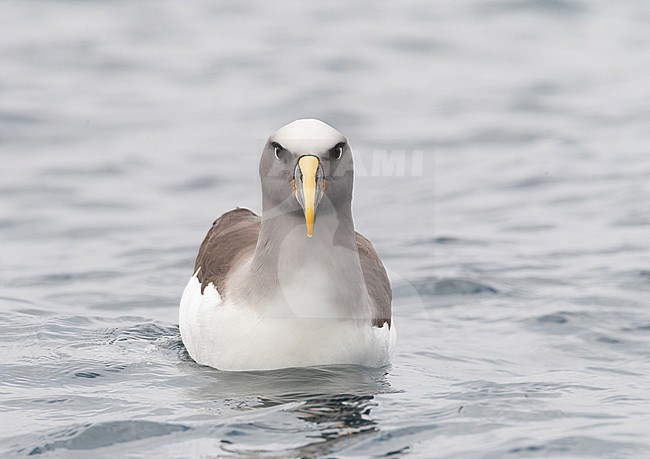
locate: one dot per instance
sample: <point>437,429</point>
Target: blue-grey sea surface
<point>513,217</point>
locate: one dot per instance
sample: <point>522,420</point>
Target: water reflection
<point>332,403</point>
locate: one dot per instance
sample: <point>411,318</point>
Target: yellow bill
<point>309,166</point>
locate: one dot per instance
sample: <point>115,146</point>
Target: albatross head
<point>302,163</point>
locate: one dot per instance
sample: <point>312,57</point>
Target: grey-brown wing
<point>377,282</point>
<point>232,236</point>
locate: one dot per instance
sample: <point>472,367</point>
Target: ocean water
<point>518,248</point>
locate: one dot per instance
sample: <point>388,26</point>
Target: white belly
<point>236,337</point>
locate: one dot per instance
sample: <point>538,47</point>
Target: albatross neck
<point>288,263</point>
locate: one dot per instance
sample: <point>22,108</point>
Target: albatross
<point>296,286</point>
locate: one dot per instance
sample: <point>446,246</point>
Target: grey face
<point>303,163</point>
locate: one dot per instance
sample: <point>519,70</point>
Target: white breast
<point>236,337</point>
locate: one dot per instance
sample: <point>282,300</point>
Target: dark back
<point>232,236</point>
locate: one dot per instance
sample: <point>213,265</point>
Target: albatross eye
<point>337,151</point>
<point>278,150</point>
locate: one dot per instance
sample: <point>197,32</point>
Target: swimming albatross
<point>296,286</point>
